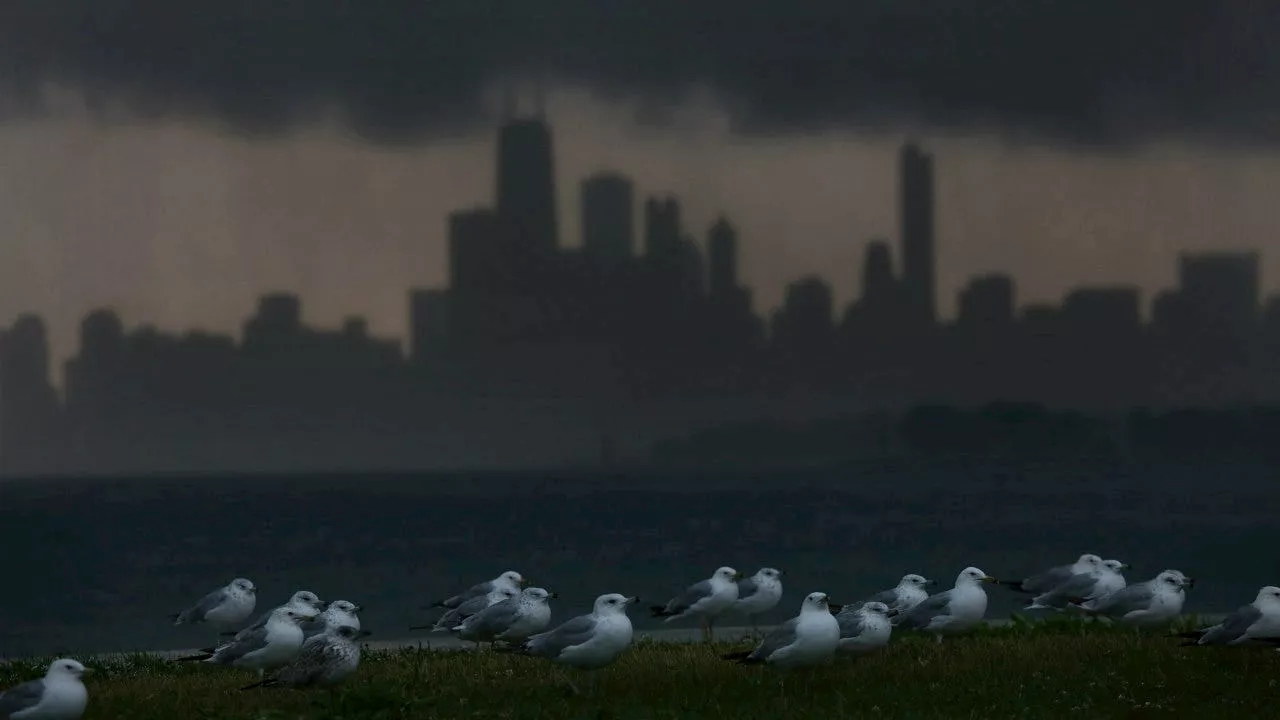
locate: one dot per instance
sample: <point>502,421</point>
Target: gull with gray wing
<point>59,695</point>
<point>809,638</point>
<point>590,641</point>
<point>509,580</point>
<point>1157,601</point>
<point>910,591</point>
<point>513,620</point>
<point>327,658</point>
<point>866,627</point>
<point>1257,623</point>
<point>454,616</point>
<point>705,600</point>
<point>759,594</point>
<point>952,611</point>
<point>225,609</point>
<point>273,644</point>
<point>303,602</point>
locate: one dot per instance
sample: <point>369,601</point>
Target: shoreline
<point>443,642</point>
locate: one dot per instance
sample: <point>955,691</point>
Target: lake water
<point>99,565</point>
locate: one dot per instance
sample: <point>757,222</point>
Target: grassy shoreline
<point>1043,669</point>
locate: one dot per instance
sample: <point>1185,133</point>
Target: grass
<point>1025,670</point>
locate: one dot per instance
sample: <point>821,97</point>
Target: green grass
<point>1031,670</point>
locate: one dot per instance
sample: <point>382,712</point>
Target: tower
<point>917,226</point>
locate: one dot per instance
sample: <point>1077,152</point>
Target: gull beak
<point>631,600</point>
<point>363,633</point>
<point>357,608</point>
<point>1191,582</point>
<point>988,579</point>
<point>739,575</point>
<point>307,618</point>
<point>893,612</point>
<point>87,671</point>
<point>930,583</point>
<point>553,596</point>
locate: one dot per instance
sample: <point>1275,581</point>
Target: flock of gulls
<point>309,642</point>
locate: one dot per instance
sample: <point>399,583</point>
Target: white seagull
<point>589,641</point>
<point>705,599</point>
<point>225,609</point>
<point>59,695</point>
<point>513,620</point>
<point>809,638</point>
<point>303,602</point>
<point>1154,602</point>
<point>260,648</point>
<point>509,580</point>
<point>951,611</point>
<point>865,628</point>
<point>454,616</point>
<point>325,659</point>
<point>1097,582</point>
<point>759,593</point>
<point>910,591</point>
<point>1054,576</point>
<point>1253,624</point>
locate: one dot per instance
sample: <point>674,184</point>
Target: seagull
<point>1252,624</point>
<point>1145,604</point>
<point>909,593</point>
<point>590,641</point>
<point>510,580</point>
<point>59,695</point>
<point>759,593</point>
<point>303,602</point>
<point>1097,582</point>
<point>337,614</point>
<point>454,616</point>
<point>704,599</point>
<point>865,628</point>
<point>260,648</point>
<point>951,611</point>
<point>1055,576</point>
<point>511,620</point>
<point>809,638</point>
<point>225,608</point>
<point>326,658</point>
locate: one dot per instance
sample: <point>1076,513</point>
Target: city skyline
<point>197,249</point>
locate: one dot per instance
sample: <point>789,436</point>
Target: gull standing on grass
<point>1146,604</point>
<point>225,609</point>
<point>950,611</point>
<point>509,580</point>
<point>910,592</point>
<point>809,638</point>
<point>454,616</point>
<point>337,614</point>
<point>303,602</point>
<point>513,620</point>
<point>325,659</point>
<point>759,594</point>
<point>1253,624</point>
<point>705,599</point>
<point>587,642</point>
<point>59,695</point>
<point>260,648</point>
<point>865,628</point>
<point>1055,576</point>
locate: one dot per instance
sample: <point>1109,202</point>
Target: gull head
<point>914,580</point>
<point>344,606</point>
<point>66,668</point>
<point>1115,565</point>
<point>1090,559</point>
<point>537,594</point>
<point>614,603</point>
<point>244,585</point>
<point>973,576</point>
<point>1174,579</point>
<point>513,578</point>
<point>306,598</point>
<point>875,608</point>
<point>347,632</point>
<point>1268,596</point>
<point>819,602</point>
<point>769,574</point>
<point>727,574</point>
<point>503,593</point>
<point>291,615</point>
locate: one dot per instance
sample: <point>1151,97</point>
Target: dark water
<point>98,565</point>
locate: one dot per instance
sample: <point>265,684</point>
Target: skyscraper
<point>722,255</point>
<point>608,220</point>
<point>526,186</point>
<point>917,227</point>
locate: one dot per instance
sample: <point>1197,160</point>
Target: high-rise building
<point>608,220</point>
<point>429,324</point>
<point>722,256</point>
<point>277,322</point>
<point>878,284</point>
<point>662,229</point>
<point>916,204</point>
<point>1220,291</point>
<point>526,194</point>
<point>476,251</point>
<point>987,303</point>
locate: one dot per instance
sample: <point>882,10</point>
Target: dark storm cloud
<point>1094,70</point>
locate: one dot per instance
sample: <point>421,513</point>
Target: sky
<point>175,161</point>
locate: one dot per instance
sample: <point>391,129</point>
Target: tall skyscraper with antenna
<point>526,192</point>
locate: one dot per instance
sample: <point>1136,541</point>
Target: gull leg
<point>711,633</point>
<point>938,638</point>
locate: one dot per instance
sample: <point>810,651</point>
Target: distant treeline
<point>997,428</point>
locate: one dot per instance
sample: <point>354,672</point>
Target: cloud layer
<point>398,70</point>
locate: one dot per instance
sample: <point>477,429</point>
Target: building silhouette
<point>535,353</point>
